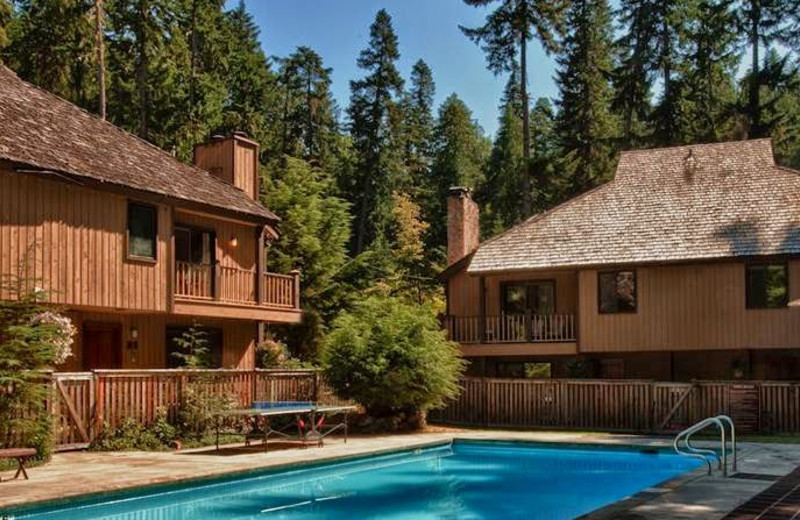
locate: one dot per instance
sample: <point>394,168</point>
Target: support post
<point>260,265</point>
<point>482,309</point>
<point>296,274</point>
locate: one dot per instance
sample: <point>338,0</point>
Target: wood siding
<point>238,339</point>
<point>232,159</point>
<point>71,241</point>
<point>688,307</point>
<point>464,291</point>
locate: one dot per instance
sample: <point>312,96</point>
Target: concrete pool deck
<point>694,496</point>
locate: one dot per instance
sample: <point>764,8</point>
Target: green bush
<point>131,435</point>
<point>392,357</point>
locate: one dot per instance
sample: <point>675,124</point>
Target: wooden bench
<point>22,455</point>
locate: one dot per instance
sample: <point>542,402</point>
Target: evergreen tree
<point>52,46</point>
<point>313,238</point>
<point>779,98</point>
<point>460,150</point>
<point>633,73</point>
<point>6,16</point>
<point>375,118</point>
<point>308,111</point>
<point>585,126</point>
<point>418,129</point>
<point>508,28</point>
<point>498,195</point>
<point>251,100</point>
<point>710,64</point>
<point>138,66</point>
<point>544,154</point>
<point>761,23</point>
<point>668,35</point>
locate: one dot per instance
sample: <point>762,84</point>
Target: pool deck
<point>694,496</point>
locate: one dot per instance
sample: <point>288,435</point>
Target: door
<point>102,346</point>
<point>538,296</point>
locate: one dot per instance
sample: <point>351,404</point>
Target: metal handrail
<point>701,453</point>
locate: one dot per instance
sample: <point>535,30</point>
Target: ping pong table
<point>309,420</point>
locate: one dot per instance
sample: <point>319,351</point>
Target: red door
<point>102,346</point>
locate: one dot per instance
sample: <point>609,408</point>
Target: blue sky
<point>427,29</point>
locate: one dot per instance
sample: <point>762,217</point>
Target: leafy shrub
<point>131,435</point>
<point>392,357</point>
<point>197,415</point>
<point>273,353</point>
<point>33,338</point>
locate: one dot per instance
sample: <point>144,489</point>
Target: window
<point>141,231</point>
<point>617,291</point>
<point>766,286</point>
<point>194,246</point>
<point>537,296</point>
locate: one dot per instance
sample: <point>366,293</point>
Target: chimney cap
<point>217,137</point>
<point>239,133</point>
<point>460,190</point>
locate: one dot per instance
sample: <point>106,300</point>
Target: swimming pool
<point>465,480</point>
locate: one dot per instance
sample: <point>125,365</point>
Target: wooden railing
<point>236,285</point>
<point>84,403</point>
<point>512,328</point>
<point>623,405</point>
<point>193,280</point>
<point>281,290</point>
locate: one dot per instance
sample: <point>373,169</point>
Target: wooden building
<point>133,244</point>
<point>685,266</point>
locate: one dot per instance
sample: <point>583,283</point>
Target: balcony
<point>539,333</point>
<point>215,290</point>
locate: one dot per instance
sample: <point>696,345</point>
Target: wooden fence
<point>84,402</point>
<point>623,405</point>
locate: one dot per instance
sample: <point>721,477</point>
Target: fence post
<point>316,386</point>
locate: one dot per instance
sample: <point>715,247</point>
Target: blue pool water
<point>468,480</point>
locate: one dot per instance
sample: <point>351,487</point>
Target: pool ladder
<point>720,421</point>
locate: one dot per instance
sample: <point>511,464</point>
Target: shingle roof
<point>732,201</point>
<point>44,131</point>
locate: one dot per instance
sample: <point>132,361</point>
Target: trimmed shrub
<point>392,357</point>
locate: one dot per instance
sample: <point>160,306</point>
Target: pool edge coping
<point>602,513</point>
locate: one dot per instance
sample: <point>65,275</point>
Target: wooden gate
<point>73,409</point>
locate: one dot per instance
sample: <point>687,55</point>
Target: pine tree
<point>6,16</point>
<point>779,98</point>
<point>460,151</point>
<point>633,73</point>
<point>668,35</point>
<point>138,67</point>
<point>307,107</point>
<point>762,23</point>
<point>710,64</point>
<point>313,237</point>
<point>498,195</point>
<point>544,154</point>
<point>585,126</point>
<point>374,118</point>
<point>53,46</point>
<point>508,28</point>
<point>251,102</point>
<point>418,128</point>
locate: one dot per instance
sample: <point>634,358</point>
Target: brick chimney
<point>233,159</point>
<point>463,226</point>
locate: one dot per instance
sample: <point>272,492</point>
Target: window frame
<point>635,308</point>
<point>527,283</point>
<point>747,266</point>
<point>128,254</point>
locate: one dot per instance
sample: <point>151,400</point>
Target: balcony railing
<point>236,285</point>
<point>512,328</point>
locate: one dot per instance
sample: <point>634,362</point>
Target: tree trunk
<point>754,98</point>
<point>526,128</point>
<point>99,17</point>
<point>142,71</point>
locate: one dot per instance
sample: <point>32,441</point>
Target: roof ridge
<point>693,145</point>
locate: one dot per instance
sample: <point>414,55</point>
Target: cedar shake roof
<point>684,203</point>
<point>44,131</point>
